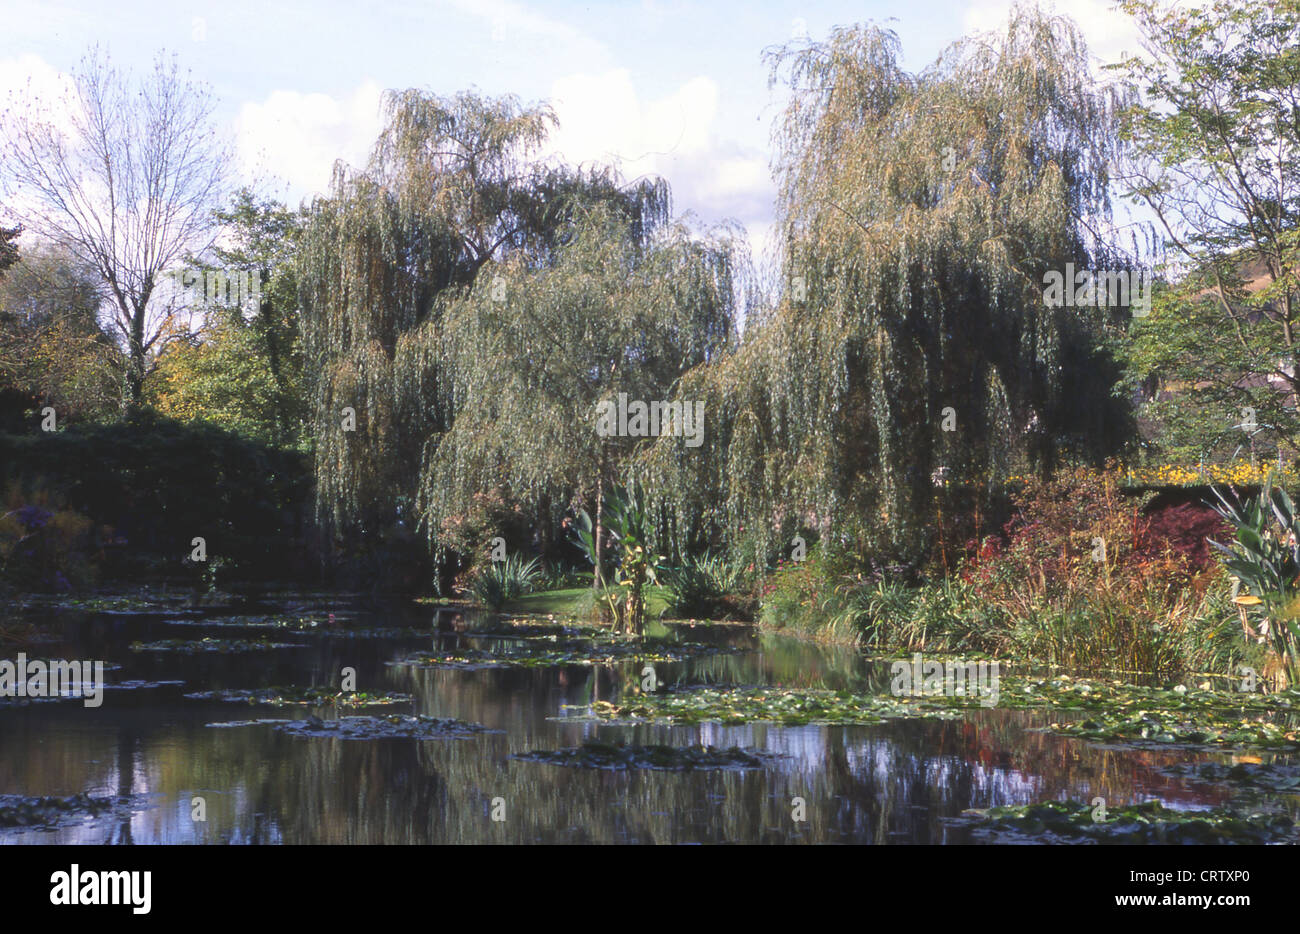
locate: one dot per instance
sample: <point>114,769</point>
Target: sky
<point>677,89</point>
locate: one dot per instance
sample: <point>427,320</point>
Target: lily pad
<point>218,646</point>
<point>596,755</point>
<point>393,726</point>
<point>303,697</point>
<point>22,812</point>
<point>1149,822</point>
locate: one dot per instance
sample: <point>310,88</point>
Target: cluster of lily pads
<point>210,644</point>
<point>1116,712</point>
<point>302,697</point>
<point>576,654</point>
<point>304,625</point>
<point>616,757</point>
<point>131,685</point>
<point>47,812</point>
<point>393,726</point>
<point>1149,822</point>
<point>1183,728</point>
<point>544,645</point>
<point>788,706</point>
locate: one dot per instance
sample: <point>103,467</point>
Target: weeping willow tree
<point>914,347</point>
<point>544,351</point>
<point>434,382</point>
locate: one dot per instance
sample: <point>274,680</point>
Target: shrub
<point>1266,559</point>
<point>810,596</point>
<point>469,533</point>
<point>558,576</point>
<point>46,546</point>
<point>499,582</point>
<point>709,587</point>
<point>158,483</point>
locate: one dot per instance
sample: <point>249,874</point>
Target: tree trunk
<point>598,576</point>
<point>135,365</point>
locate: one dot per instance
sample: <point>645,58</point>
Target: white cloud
<point>603,119</point>
<point>543,42</point>
<point>29,84</point>
<point>1109,32</point>
<point>29,78</point>
<point>297,137</point>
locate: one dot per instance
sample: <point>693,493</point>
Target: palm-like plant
<point>627,521</point>
<point>1266,559</point>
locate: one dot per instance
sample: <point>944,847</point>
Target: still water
<point>895,782</point>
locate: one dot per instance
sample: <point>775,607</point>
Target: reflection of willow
<point>128,741</point>
<point>789,662</point>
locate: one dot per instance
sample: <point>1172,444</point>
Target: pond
<point>194,730</point>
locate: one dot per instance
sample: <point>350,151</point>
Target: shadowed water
<point>894,782</point>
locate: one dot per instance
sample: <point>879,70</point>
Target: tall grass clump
<point>709,587</point>
<point>499,582</point>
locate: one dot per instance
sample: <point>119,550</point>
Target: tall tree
<point>915,343</point>
<point>542,354</point>
<point>244,368</point>
<point>1215,154</point>
<point>126,175</point>
<point>452,185</point>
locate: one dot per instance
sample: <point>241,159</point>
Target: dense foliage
<point>156,484</point>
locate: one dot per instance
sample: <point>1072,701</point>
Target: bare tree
<point>125,174</point>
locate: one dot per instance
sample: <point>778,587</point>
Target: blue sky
<point>673,88</point>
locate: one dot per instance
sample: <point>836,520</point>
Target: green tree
<point>1214,156</point>
<point>914,343</point>
<point>451,186</point>
<point>221,375</point>
<point>53,350</point>
<point>541,352</point>
<point>244,367</point>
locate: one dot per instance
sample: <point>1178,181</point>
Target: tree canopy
<point>913,344</point>
<point>1213,151</point>
<point>393,298</point>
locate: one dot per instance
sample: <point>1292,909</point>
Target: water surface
<point>895,782</point>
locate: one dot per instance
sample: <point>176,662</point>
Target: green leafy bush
<point>499,582</point>
<point>709,587</point>
<point>159,483</point>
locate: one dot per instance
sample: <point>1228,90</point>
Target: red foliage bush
<point>1182,529</point>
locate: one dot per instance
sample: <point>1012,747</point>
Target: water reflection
<point>891,783</point>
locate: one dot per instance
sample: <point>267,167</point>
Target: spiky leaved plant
<point>1266,559</point>
<point>630,528</point>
